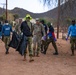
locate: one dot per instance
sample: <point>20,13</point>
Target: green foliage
<point>16,16</point>
<point>45,21</point>
<point>69,20</point>
<point>48,24</point>
<point>3,17</point>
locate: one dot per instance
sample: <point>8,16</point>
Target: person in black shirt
<point>26,29</point>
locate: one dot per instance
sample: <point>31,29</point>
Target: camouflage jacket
<point>38,29</point>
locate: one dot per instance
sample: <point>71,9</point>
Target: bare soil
<point>49,64</point>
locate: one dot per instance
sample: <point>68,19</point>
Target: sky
<point>31,5</point>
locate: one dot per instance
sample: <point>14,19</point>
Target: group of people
<point>34,34</point>
<point>38,36</point>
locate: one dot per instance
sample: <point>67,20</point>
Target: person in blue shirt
<point>6,30</point>
<point>72,34</point>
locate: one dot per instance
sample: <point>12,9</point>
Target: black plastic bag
<point>15,41</point>
<point>22,45</point>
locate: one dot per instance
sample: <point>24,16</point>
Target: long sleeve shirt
<point>38,29</point>
<point>72,31</point>
<point>6,30</point>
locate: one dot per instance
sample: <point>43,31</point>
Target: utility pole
<point>58,19</point>
<point>6,10</point>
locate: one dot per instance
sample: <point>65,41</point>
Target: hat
<point>28,16</point>
<point>73,20</point>
<point>37,19</point>
<point>6,21</point>
<point>42,21</point>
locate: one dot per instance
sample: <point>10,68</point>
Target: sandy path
<point>48,64</point>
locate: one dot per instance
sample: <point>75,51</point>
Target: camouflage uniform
<point>37,35</point>
<point>6,41</point>
<point>73,43</point>
<point>17,29</point>
<point>48,41</point>
<point>29,41</point>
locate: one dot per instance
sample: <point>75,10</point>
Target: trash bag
<point>15,40</point>
<point>3,38</point>
<point>22,45</point>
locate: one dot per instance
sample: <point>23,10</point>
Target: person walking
<point>50,38</point>
<point>46,29</point>
<point>38,29</point>
<point>72,34</point>
<point>26,29</point>
<point>18,25</point>
<point>6,30</point>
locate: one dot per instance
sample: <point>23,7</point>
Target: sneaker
<point>55,53</point>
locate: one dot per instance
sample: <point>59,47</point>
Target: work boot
<point>72,53</point>
<point>37,55</point>
<point>56,53</point>
<point>31,60</point>
<point>41,48</point>
<point>6,51</point>
<point>33,54</point>
<point>44,52</point>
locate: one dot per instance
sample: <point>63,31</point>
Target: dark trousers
<point>48,41</point>
<point>73,43</point>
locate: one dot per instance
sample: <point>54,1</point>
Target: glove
<point>21,34</point>
<point>66,39</point>
<point>55,39</point>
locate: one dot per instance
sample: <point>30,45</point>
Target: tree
<point>16,16</point>
<point>61,9</point>
<point>1,18</point>
<point>48,2</point>
<point>10,17</point>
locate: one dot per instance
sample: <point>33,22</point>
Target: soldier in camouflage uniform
<point>37,35</point>
<point>17,28</point>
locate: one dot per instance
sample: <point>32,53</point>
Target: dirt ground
<point>63,64</point>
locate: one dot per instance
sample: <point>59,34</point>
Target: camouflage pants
<point>48,41</point>
<point>29,44</point>
<point>37,40</point>
<point>42,45</point>
<point>6,41</point>
<point>73,42</point>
